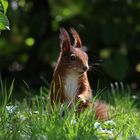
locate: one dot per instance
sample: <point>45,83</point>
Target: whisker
<point>96,68</point>
<point>95,64</point>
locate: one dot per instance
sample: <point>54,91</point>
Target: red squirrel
<point>70,82</point>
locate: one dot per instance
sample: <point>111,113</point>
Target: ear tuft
<point>64,40</point>
<point>77,40</point>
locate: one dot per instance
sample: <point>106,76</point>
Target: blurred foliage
<point>4,22</point>
<point>109,29</point>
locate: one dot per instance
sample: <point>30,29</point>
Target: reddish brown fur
<point>65,67</point>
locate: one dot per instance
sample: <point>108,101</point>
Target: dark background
<point>109,29</point>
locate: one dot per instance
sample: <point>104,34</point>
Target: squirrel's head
<point>72,56</point>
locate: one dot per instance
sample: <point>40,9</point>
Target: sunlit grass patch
<point>31,119</point>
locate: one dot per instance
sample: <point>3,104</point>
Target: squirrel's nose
<point>85,68</point>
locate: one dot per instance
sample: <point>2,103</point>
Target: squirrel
<point>70,81</point>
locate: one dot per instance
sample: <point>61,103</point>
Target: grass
<point>32,120</point>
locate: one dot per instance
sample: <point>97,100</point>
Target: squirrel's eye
<point>72,58</point>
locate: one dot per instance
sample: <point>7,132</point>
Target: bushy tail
<point>101,110</point>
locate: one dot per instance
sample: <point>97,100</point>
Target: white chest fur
<point>71,86</point>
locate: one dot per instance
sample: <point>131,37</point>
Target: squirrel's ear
<point>77,40</point>
<point>64,40</point>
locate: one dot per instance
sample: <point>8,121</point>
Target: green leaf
<point>4,5</point>
<point>1,9</point>
<point>11,89</point>
<point>4,22</point>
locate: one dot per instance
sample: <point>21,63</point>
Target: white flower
<point>11,109</point>
<point>22,117</point>
<point>97,125</point>
<point>108,132</point>
<point>73,121</point>
<point>110,122</point>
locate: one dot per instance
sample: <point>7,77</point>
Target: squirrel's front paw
<point>82,98</point>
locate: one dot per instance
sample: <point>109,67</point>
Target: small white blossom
<point>97,125</point>
<point>106,132</point>
<point>73,121</point>
<point>11,109</point>
<point>22,117</point>
<point>110,122</point>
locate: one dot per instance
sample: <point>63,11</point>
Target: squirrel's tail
<point>101,110</point>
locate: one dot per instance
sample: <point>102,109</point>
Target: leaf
<point>4,5</point>
<point>11,89</point>
<point>1,9</point>
<point>4,22</point>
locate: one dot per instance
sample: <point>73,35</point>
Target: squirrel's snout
<point>85,68</point>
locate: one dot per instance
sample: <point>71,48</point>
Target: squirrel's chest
<point>71,86</point>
